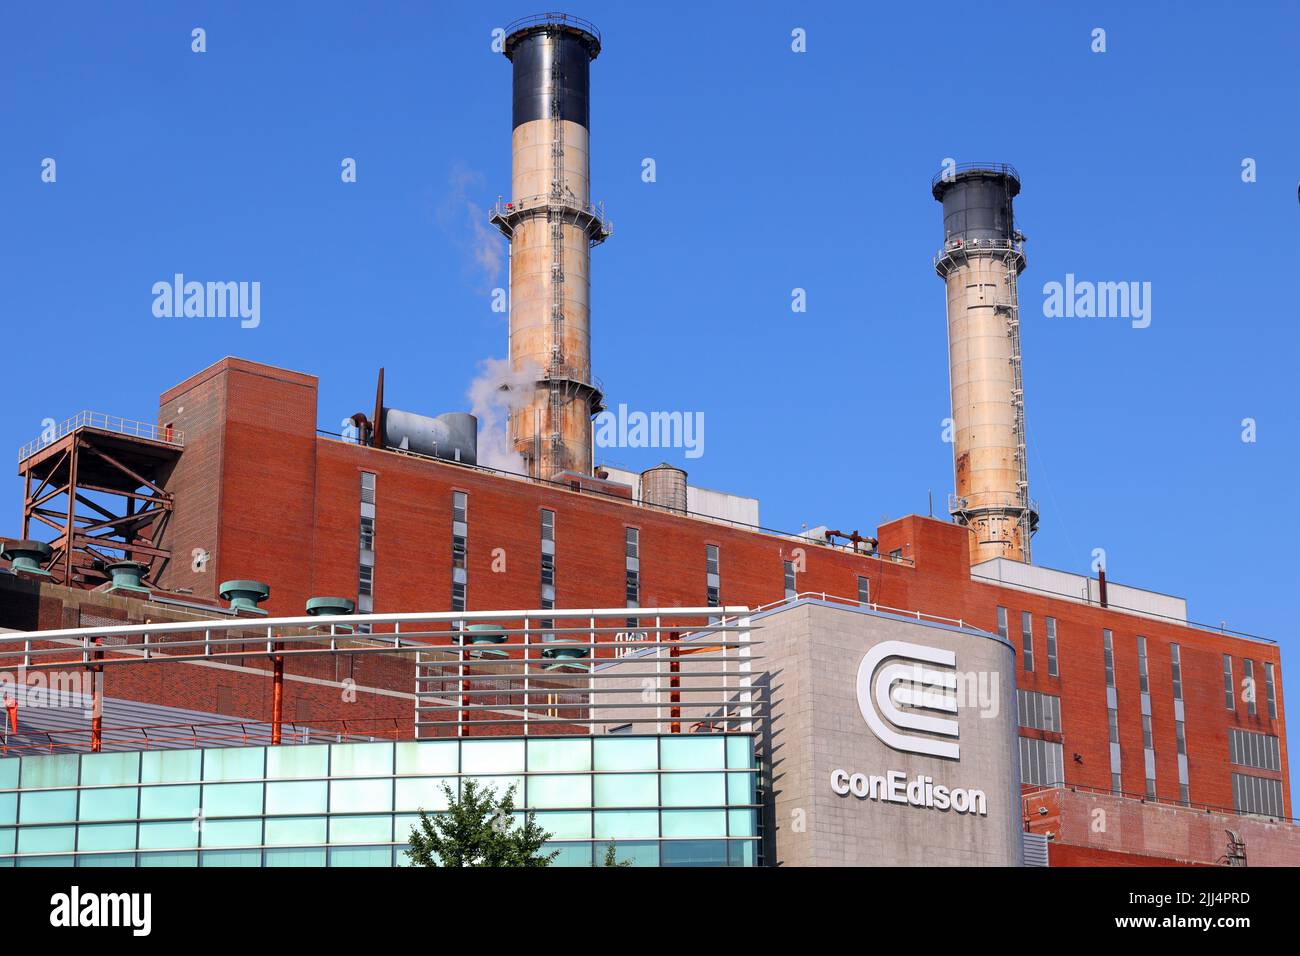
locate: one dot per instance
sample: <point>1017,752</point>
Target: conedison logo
<point>906,682</point>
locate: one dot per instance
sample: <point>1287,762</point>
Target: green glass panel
<point>298,856</point>
<point>361,760</point>
<point>361,829</point>
<point>694,853</point>
<point>49,806</point>
<point>403,824</point>
<point>234,763</point>
<point>56,861</point>
<point>693,789</point>
<point>566,826</point>
<point>59,770</point>
<point>299,796</point>
<point>499,785</point>
<point>569,854</point>
<point>46,839</point>
<point>111,770</point>
<point>106,836</point>
<point>106,860</point>
<point>8,808</point>
<point>232,832</point>
<point>491,756</point>
<point>179,802</point>
<point>626,753</point>
<point>361,796</point>
<point>740,788</point>
<point>230,858</point>
<point>9,773</point>
<point>361,856</point>
<point>179,858</point>
<point>695,752</point>
<point>295,831</point>
<point>742,823</point>
<point>559,790</point>
<point>8,836</point>
<point>630,852</point>
<point>626,824</point>
<point>740,752</point>
<point>695,823</point>
<point>558,755</point>
<point>431,757</point>
<point>232,799</point>
<point>171,766</point>
<point>627,790</point>
<point>290,763</point>
<point>424,793</point>
<point>168,836</point>
<point>111,803</point>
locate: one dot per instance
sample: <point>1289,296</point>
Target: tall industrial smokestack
<point>552,226</point>
<point>982,256</point>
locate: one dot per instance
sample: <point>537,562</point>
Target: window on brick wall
<point>1039,711</point>
<point>1229,695</point>
<point>1143,682</point>
<point>1249,749</point>
<point>1248,685</point>
<point>1270,690</point>
<point>791,585</point>
<point>1027,640</point>
<point>712,576</point>
<point>864,590</point>
<point>1053,669</point>
<point>1261,795</point>
<point>1002,622</point>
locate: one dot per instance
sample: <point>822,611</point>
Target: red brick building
<point>1126,697</point>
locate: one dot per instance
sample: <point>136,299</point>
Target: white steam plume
<point>465,221</point>
<point>493,395</point>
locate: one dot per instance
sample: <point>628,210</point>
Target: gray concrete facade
<point>812,653</point>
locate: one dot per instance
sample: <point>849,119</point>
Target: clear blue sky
<point>775,170</point>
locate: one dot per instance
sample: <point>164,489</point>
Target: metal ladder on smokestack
<point>1012,309</point>
<point>555,216</point>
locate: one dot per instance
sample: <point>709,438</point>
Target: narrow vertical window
<point>548,572</point>
<point>791,586</point>
<point>1249,685</point>
<point>864,590</point>
<point>1143,682</point>
<point>1176,668</point>
<point>1229,695</point>
<point>1002,622</point>
<point>1270,690</point>
<point>459,550</point>
<point>632,570</point>
<point>1112,710</point>
<point>1027,640</point>
<point>712,577</point>
<point>1053,669</point>
<point>366,561</point>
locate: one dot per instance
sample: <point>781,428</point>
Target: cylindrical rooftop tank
<point>977,202</point>
<point>664,486</point>
<point>453,436</point>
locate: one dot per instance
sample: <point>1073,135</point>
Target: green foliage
<point>478,830</point>
<point>611,857</point>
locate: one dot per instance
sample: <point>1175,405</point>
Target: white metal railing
<point>878,608</point>
<point>534,671</point>
<point>105,422</point>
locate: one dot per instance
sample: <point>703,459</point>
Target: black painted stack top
<point>977,202</point>
<point>552,51</point>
